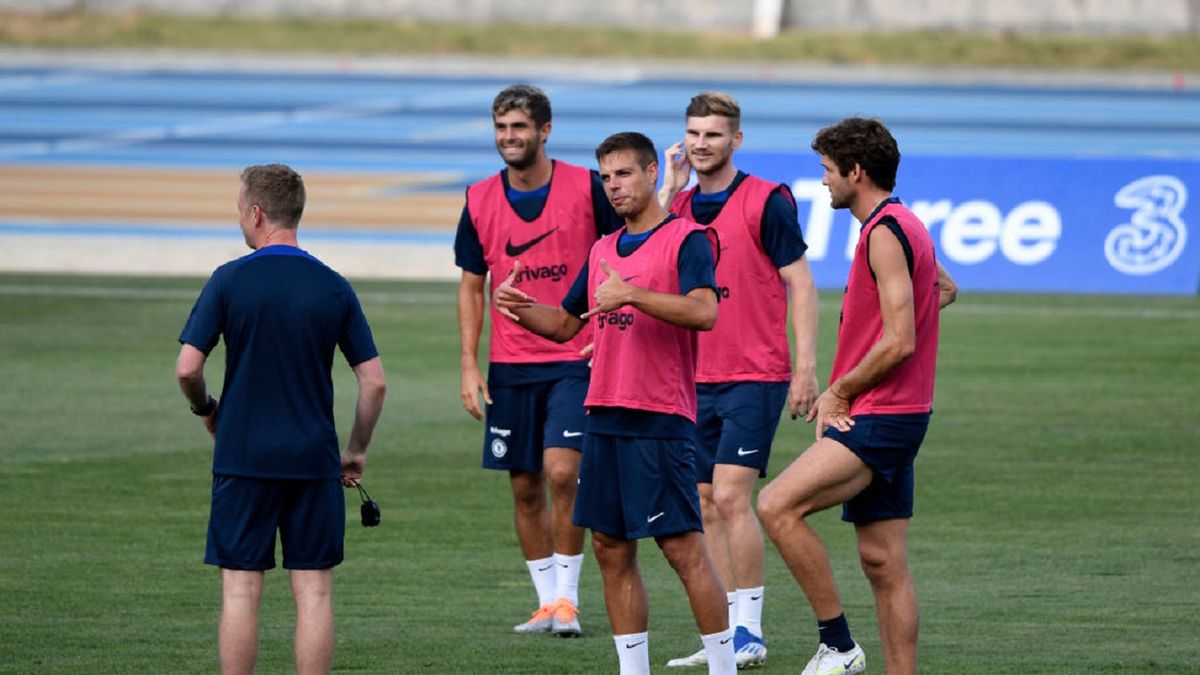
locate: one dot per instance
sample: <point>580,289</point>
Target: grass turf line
<point>1056,526</point>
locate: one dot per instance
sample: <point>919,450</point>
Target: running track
<point>126,167</point>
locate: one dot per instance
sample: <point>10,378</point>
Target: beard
<point>524,160</point>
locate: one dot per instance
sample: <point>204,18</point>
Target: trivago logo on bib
<point>1155,235</point>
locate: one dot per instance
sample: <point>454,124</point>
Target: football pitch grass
<point>1057,526</point>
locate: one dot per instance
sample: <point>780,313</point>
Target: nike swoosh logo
<point>630,278</point>
<point>651,519</point>
<point>514,250</point>
<point>634,644</point>
<point>543,569</point>
<point>756,597</point>
<point>743,453</point>
<point>726,640</point>
<point>572,434</point>
<point>848,664</point>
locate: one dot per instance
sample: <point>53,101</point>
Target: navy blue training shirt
<point>282,313</point>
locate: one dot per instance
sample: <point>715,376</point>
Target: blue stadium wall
<point>1043,225</point>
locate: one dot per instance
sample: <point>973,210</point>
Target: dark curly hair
<point>864,142</point>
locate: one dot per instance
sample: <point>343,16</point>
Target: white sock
<point>731,600</point>
<point>568,568</point>
<point>719,647</point>
<point>633,653</point>
<point>750,605</point>
<point>544,578</point>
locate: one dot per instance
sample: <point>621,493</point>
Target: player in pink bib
<point>744,375</point>
<point>647,290</point>
<point>546,213</point>
<point>872,418</point>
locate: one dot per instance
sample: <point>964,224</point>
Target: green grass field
<point>131,30</point>
<point>1057,528</point>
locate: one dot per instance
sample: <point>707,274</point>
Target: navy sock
<point>836,633</point>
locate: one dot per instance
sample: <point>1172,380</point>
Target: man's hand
<point>352,468</point>
<point>830,410</point>
<point>508,297</point>
<point>676,172</point>
<point>210,421</point>
<point>611,294</point>
<point>472,385</point>
<point>802,393</point>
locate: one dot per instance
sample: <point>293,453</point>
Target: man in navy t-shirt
<point>276,464</point>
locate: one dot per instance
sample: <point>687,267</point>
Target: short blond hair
<point>708,103</point>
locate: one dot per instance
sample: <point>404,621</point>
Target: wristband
<point>207,409</point>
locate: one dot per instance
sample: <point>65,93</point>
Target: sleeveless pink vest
<point>749,342</point>
<point>909,387</point>
<point>552,249</point>
<point>642,362</point>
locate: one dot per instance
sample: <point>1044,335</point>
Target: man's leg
<point>733,488</point>
<point>312,591</point>
<point>562,469</point>
<point>827,474</point>
<point>883,552</point>
<point>688,556</point>
<point>624,591</point>
<point>531,515</point>
<point>241,591</point>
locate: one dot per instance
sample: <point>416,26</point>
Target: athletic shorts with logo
<point>310,516</point>
<point>888,444</point>
<point>523,420</point>
<point>735,424</point>
<point>633,488</point>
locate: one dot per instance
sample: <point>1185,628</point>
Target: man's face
<point>629,187</point>
<point>710,142</point>
<point>246,214</point>
<point>841,189</point>
<point>518,140</point>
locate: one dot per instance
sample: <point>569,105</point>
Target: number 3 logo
<point>1155,234</point>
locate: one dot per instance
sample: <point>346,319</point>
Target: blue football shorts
<point>632,488</point>
<point>523,420</point>
<point>310,516</point>
<point>888,444</point>
<point>735,424</point>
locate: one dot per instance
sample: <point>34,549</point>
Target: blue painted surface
<point>1073,149</point>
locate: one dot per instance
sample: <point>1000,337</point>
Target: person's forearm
<point>686,311</point>
<point>195,390</point>
<point>548,321</point>
<point>805,316</point>
<point>366,416</point>
<point>880,360</point>
<point>470,324</point>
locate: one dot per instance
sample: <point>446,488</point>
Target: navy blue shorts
<point>309,514</point>
<point>526,419</point>
<point>632,488</point>
<point>735,424</point>
<point>888,444</point>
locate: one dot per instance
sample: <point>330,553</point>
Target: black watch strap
<point>207,409</point>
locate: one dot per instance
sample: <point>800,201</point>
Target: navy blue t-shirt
<point>780,227</point>
<point>282,313</point>
<point>695,267</point>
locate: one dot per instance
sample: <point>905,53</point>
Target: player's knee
<point>771,508</point>
<point>562,478</point>
<point>881,564</point>
<point>731,503</point>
